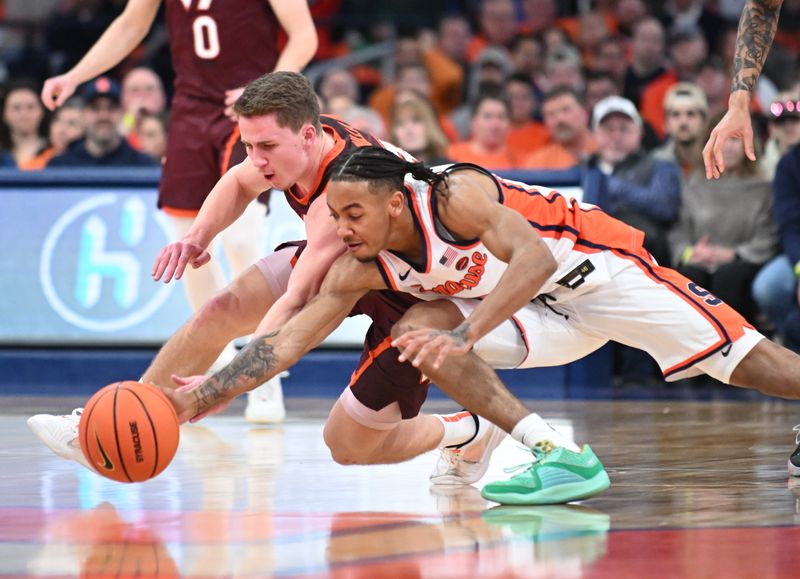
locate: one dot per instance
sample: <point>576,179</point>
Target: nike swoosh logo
<point>403,276</point>
<point>726,350</point>
<point>106,464</point>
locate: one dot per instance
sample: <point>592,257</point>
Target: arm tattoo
<point>251,367</point>
<point>757,28</point>
<point>458,334</point>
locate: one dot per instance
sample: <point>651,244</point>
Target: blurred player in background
<point>217,47</point>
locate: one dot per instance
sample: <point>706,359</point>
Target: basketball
<point>129,431</point>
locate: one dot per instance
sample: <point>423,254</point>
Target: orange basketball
<point>129,431</point>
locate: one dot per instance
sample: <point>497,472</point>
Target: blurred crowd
<point>625,90</point>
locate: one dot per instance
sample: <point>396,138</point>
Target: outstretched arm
<point>757,27</point>
<point>471,209</point>
<point>118,41</point>
<point>225,203</point>
<point>270,354</point>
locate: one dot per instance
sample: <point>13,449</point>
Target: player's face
<point>280,154</point>
<point>362,217</point>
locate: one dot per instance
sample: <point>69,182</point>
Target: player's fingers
<point>427,351</point>
<point>749,149</point>
<point>171,265</point>
<point>719,161</point>
<point>201,260</point>
<point>444,352</point>
<point>183,260</point>
<point>708,158</point>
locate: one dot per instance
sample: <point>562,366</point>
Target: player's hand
<point>173,259</point>
<point>433,346</point>
<point>185,386</point>
<point>56,90</point>
<point>183,402</point>
<point>231,96</point>
<point>735,123</point>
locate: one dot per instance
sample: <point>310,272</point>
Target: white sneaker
<point>794,460</point>
<point>468,463</point>
<point>265,403</point>
<point>59,433</point>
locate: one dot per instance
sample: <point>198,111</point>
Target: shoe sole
<point>793,470</point>
<point>495,438</point>
<point>556,495</point>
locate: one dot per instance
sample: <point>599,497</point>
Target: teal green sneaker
<point>556,475</point>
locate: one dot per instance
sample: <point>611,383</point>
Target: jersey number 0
<point>204,31</point>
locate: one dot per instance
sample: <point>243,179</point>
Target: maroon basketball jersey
<point>219,45</point>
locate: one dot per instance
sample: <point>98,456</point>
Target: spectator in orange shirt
<point>526,134</point>
<point>498,26</point>
<point>539,15</point>
<point>527,57</point>
<point>489,128</point>
<point>688,50</point>
<point>566,118</point>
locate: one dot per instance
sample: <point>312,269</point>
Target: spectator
<point>526,134</point>
<point>693,13</point>
<point>142,92</point>
<point>599,85</point>
<point>648,58</point>
<point>611,59</point>
<point>567,121</point>
<point>153,135</point>
<point>490,69</point>
<point>775,288</point>
<point>628,14</point>
<point>714,81</point>
<point>726,231</point>
<point>686,114</point>
<point>414,128</point>
<point>688,51</point>
<point>66,127</point>
<point>364,119</point>
<point>636,188</point>
<point>103,145</point>
<point>527,56</point>
<point>539,16</point>
<point>783,123</point>
<point>563,67</point>
<point>22,138</point>
<point>627,183</point>
<point>498,25</point>
<point>489,128</point>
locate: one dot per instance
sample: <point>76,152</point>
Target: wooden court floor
<point>699,489</point>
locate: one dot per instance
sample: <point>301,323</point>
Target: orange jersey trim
<point>228,150</point>
<point>371,356</point>
<point>175,212</point>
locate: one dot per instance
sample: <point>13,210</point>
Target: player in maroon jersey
<point>217,47</point>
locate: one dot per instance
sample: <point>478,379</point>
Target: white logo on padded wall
<point>90,267</point>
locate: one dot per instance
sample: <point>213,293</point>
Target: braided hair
<point>381,168</point>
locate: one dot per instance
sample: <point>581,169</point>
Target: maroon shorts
<point>380,379</point>
<point>202,144</point>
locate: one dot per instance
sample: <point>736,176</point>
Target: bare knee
<point>439,314</point>
<point>342,452</point>
<point>222,313</point>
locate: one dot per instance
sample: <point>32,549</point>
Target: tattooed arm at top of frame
<point>757,27</point>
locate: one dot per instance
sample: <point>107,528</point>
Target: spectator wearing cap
<point>688,52</point>
<point>628,183</point>
<point>685,114</point>
<point>567,120</point>
<point>726,231</point>
<point>636,188</point>
<point>103,144</point>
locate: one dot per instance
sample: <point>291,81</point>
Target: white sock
<point>459,428</point>
<point>533,429</point>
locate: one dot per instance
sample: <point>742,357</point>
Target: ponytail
<point>381,168</point>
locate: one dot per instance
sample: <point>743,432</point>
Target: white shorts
<point>683,327</point>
